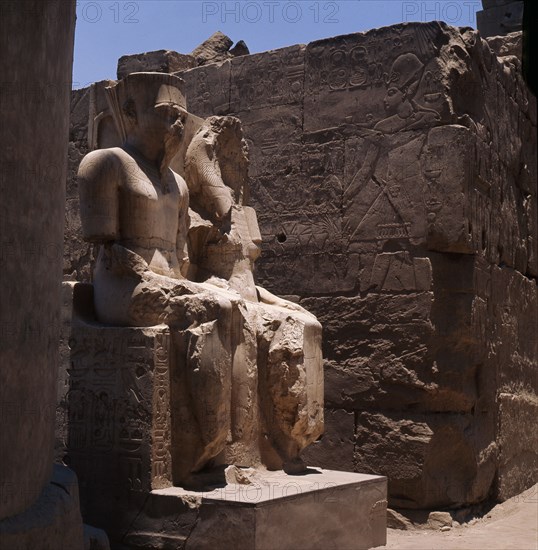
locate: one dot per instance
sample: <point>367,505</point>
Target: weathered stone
<point>218,48</point>
<point>38,502</point>
<point>438,520</point>
<point>518,443</point>
<point>326,510</point>
<point>321,509</point>
<point>500,17</point>
<point>113,421</point>
<point>418,451</point>
<point>207,89</point>
<point>395,520</point>
<point>161,61</point>
<point>53,521</point>
<point>337,446</point>
<point>511,44</point>
<point>239,49</point>
<point>393,171</point>
<point>267,79</point>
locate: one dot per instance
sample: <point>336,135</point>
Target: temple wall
<point>407,222</point>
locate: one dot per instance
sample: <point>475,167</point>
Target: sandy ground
<point>512,525</point>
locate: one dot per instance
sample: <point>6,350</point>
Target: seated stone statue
<point>136,208</point>
<point>277,390</point>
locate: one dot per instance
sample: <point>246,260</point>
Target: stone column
<point>36,45</point>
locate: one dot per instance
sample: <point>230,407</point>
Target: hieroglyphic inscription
<point>161,467</point>
<point>118,403</point>
<point>346,76</point>
<point>271,78</point>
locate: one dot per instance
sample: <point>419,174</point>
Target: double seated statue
<point>247,375</point>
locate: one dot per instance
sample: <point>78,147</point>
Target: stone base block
<point>321,509</point>
<point>53,522</point>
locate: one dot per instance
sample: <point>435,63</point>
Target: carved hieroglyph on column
<point>246,372</point>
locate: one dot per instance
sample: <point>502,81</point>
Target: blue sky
<point>106,30</point>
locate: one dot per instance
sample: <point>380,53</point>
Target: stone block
<point>514,326</point>
<point>273,133</point>
<point>218,48</point>
<point>438,520</point>
<point>518,443</point>
<point>336,446</point>
<point>418,451</point>
<point>345,75</point>
<point>160,61</point>
<point>319,510</point>
<point>377,351</point>
<point>113,412</point>
<point>500,19</point>
<point>267,79</point>
<point>207,89</point>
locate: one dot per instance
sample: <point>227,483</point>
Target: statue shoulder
<point>103,160</point>
<point>105,167</point>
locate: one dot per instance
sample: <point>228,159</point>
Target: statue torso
<point>148,212</point>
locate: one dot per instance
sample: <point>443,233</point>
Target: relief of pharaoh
<point>245,383</point>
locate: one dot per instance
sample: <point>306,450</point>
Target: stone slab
<point>322,509</point>
<point>502,19</point>
<point>161,61</point>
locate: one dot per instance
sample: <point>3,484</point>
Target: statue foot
<point>294,466</point>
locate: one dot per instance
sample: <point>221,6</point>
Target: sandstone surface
<point>394,173</point>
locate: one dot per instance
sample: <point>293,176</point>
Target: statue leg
<point>243,447</point>
<point>201,383</point>
<point>290,370</point>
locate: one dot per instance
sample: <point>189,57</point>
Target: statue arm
<point>183,227</point>
<point>269,298</point>
<point>98,183</point>
<point>366,170</point>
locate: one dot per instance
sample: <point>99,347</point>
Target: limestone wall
<point>394,177</point>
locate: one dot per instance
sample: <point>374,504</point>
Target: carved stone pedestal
<point>321,509</point>
<point>113,413</point>
<point>115,431</point>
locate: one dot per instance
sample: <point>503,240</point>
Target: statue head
<point>149,111</point>
<point>216,167</point>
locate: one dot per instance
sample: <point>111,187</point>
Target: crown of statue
<point>146,90</point>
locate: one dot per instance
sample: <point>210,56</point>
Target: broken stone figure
<point>246,379</point>
<point>277,363</point>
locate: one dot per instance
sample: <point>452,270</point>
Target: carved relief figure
<point>404,113</point>
<point>383,195</point>
<point>136,208</point>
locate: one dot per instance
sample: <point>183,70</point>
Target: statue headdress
<point>150,88</point>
